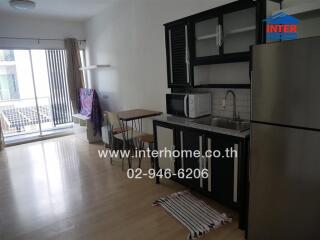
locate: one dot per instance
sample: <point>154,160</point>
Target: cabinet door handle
<point>181,143</point>
<point>235,174</point>
<point>200,168</point>
<point>187,54</point>
<point>201,160</point>
<point>220,36</point>
<point>170,56</point>
<point>217,38</point>
<point>173,160</point>
<point>209,167</point>
<point>185,105</point>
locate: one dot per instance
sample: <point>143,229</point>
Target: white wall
<point>37,27</point>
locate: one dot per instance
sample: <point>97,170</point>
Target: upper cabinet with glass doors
<point>207,37</point>
<point>220,35</point>
<point>239,31</point>
<point>225,34</point>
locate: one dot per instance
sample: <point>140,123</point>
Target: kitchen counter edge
<point>189,123</point>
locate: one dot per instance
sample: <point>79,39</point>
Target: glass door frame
<point>35,93</point>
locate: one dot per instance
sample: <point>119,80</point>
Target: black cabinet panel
<point>177,55</point>
<point>222,171</point>
<point>191,141</point>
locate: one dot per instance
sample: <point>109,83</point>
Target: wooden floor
<point>60,189</point>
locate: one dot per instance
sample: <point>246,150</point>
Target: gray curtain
<point>75,77</point>
<point>1,138</point>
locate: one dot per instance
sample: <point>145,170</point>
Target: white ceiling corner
<point>77,10</point>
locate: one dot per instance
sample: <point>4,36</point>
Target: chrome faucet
<point>235,116</point>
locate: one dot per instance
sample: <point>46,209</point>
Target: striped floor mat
<point>198,217</point>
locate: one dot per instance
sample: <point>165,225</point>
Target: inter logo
<point>281,26</point>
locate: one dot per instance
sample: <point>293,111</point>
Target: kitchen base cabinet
<point>224,157</point>
<point>164,140</point>
<point>223,170</point>
<point>228,173</point>
<point>190,140</point>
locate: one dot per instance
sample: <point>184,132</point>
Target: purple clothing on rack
<point>86,99</point>
<point>90,107</point>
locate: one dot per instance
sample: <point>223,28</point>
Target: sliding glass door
<point>18,106</point>
<point>34,97</point>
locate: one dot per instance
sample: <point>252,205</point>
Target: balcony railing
<point>20,116</point>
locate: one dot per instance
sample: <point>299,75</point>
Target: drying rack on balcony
<point>18,118</point>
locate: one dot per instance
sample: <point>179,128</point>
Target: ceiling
<point>77,10</point>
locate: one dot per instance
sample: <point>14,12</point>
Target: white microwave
<point>191,105</point>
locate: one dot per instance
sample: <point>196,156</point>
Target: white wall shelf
<point>241,30</point>
<point>303,8</point>
<point>92,67</point>
<point>205,37</point>
<point>234,31</point>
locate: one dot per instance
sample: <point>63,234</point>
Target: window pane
<point>18,112</point>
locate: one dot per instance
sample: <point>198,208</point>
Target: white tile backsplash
<point>218,95</point>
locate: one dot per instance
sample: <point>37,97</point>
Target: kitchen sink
<point>237,125</point>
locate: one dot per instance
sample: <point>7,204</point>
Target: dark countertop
<point>195,123</point>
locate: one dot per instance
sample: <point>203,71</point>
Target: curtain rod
<point>37,39</point>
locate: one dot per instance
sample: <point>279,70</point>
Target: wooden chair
<point>149,140</point>
<point>114,129</point>
<point>125,135</point>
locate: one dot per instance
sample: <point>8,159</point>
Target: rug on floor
<point>197,216</point>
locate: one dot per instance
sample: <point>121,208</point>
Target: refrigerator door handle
<point>186,105</point>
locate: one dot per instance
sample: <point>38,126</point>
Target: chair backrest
<point>114,120</point>
<point>115,123</point>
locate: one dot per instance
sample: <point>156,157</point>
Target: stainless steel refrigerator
<point>284,172</point>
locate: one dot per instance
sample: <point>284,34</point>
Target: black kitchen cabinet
<point>227,180</point>
<point>223,181</point>
<point>220,35</point>
<point>165,138</point>
<point>229,172</point>
<point>178,55</point>
<point>207,36</point>
<point>224,34</point>
<point>223,169</point>
<point>239,30</point>
<point>190,140</point>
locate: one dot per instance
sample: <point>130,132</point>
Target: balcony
<point>20,117</point>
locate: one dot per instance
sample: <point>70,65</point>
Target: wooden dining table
<point>136,115</point>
